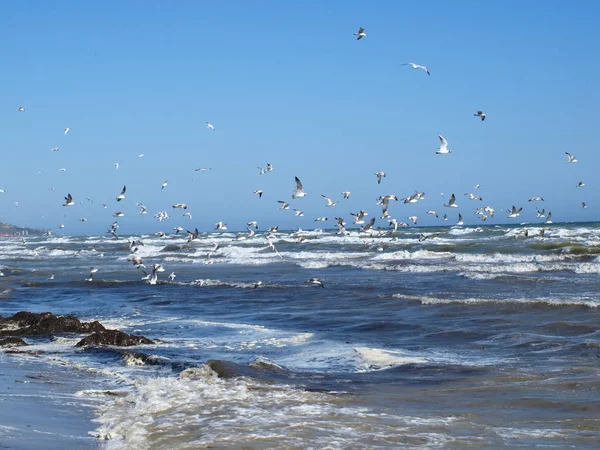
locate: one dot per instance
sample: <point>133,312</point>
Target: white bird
<point>443,150</point>
<point>315,282</point>
<point>360,34</point>
<point>299,192</point>
<point>172,276</point>
<point>118,214</point>
<point>258,192</point>
<point>180,205</point>
<point>83,219</point>
<point>253,223</point>
<point>549,217</point>
<point>298,213</point>
<point>189,215</point>
<point>358,217</point>
<point>21,109</point>
<point>69,200</point>
<point>329,201</point>
<point>284,205</point>
<point>54,149</point>
<point>116,166</point>
<point>143,209</point>
<point>178,229</point>
<point>269,168</point>
<point>572,159</point>
<point>62,169</point>
<point>320,219</point>
<point>580,184</point>
<point>203,169</point>
<point>67,130</point>
<point>210,126</point>
<point>346,195</point>
<point>141,155</point>
<point>121,196</point>
<point>164,185</point>
<point>220,226</point>
<point>417,66</point>
<point>480,114</point>
<point>514,212</point>
<point>413,219</point>
<point>536,199</point>
<point>379,176</point>
<point>460,220</point>
<point>540,214</point>
<point>583,205</point>
<point>451,203</point>
<point>433,213</point>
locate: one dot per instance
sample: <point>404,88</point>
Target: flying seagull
<point>298,213</point>
<point>329,201</point>
<point>460,220</point>
<point>583,205</point>
<point>417,66</point>
<point>284,205</point>
<point>379,176</point>
<point>67,130</point>
<point>299,192</point>
<point>122,194</point>
<point>258,192</point>
<point>572,159</point>
<point>536,199</point>
<point>164,185</point>
<point>580,184</point>
<point>180,205</point>
<point>210,126</point>
<point>21,109</point>
<point>360,34</point>
<point>480,114</point>
<point>69,200</point>
<point>451,203</point>
<point>346,195</point>
<point>444,147</point>
<point>514,212</point>
<point>116,166</point>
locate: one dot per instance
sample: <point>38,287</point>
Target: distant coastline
<point>8,230</point>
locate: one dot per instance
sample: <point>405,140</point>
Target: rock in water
<point>113,337</point>
<point>38,324</point>
<point>12,342</point>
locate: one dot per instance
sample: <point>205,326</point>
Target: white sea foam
<point>378,359</point>
<point>565,301</point>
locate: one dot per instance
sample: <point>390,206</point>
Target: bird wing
<point>443,141</point>
<point>124,190</point>
<point>298,185</point>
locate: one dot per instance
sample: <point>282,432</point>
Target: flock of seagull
<point>151,276</point>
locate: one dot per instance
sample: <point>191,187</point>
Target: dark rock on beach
<point>38,324</point>
<point>12,342</point>
<point>113,337</point>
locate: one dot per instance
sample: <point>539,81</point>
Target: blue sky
<point>287,83</point>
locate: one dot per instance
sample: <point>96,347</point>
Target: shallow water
<point>469,338</point>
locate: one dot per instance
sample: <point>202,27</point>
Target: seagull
<point>433,213</point>
<point>360,34</point>
<point>116,166</point>
<point>320,219</point>
<point>180,205</point>
<point>160,234</point>
<point>155,269</point>
<point>536,199</point>
<point>298,213</point>
<point>444,147</point>
<point>220,226</point>
<point>257,284</point>
<point>460,220</point>
<point>210,126</point>
<point>417,66</point>
<point>273,229</point>
<point>540,214</point>
<point>203,169</point>
<point>141,155</point>
<point>172,276</point>
<point>580,184</point>
<point>83,219</point>
<point>413,219</point>
<point>284,205</point>
<point>62,170</point>
<point>572,159</point>
<point>54,149</point>
<point>380,175</point>
<point>258,192</point>
<point>143,208</point>
<point>368,226</point>
<point>549,217</point>
<point>164,185</point>
<point>178,229</point>
<point>583,205</point>
<point>192,235</point>
<point>473,196</point>
<point>122,194</point>
<point>477,186</point>
<point>299,192</point>
<point>21,109</point>
<point>188,215</point>
<point>514,212</point>
<point>118,214</point>
<point>316,281</point>
<point>67,130</point>
<point>358,218</point>
<point>254,224</point>
<point>346,195</point>
<point>329,201</point>
<point>480,114</point>
<point>69,200</point>
<point>269,168</point>
<point>451,203</point>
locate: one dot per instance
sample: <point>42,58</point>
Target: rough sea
<point>471,338</point>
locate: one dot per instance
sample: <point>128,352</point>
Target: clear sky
<point>288,83</point>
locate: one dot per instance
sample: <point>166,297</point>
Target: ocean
<point>477,337</point>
